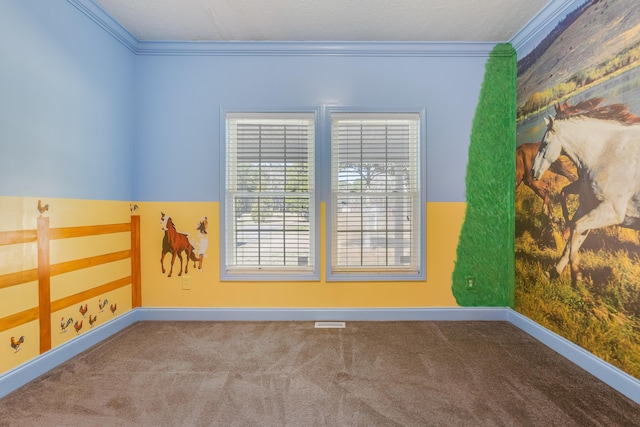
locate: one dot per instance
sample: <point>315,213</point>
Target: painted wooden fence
<point>43,235</point>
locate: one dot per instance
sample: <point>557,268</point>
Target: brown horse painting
<point>175,243</point>
<point>525,154</point>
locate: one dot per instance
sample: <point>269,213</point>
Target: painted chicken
<point>102,304</point>
<point>64,325</point>
<point>42,208</point>
<point>15,344</point>
<point>113,307</point>
<point>92,320</point>
<point>83,310</point>
<point>77,326</point>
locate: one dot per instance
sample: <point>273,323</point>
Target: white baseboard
<point>609,374</point>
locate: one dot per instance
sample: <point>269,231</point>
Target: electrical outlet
<point>186,282</point>
<point>471,282</point>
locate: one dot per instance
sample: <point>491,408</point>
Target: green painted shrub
<point>486,244</point>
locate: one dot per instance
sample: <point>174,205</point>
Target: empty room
<point>280,212</point>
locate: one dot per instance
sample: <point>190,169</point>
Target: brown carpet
<point>290,374</point>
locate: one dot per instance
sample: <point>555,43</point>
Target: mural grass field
<point>602,312</point>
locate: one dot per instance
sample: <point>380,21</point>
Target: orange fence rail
<point>43,235</point>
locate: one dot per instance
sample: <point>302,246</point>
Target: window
<point>375,187</point>
<point>270,199</point>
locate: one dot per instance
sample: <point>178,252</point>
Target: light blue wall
<point>79,108</point>
<point>180,97</point>
<point>66,104</point>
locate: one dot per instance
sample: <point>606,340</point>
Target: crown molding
<point>98,15</point>
<point>278,48</point>
<point>533,32</point>
<point>287,48</point>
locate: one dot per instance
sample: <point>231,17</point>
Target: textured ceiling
<point>323,20</point>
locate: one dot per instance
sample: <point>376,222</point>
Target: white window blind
<point>270,192</point>
<point>375,193</point>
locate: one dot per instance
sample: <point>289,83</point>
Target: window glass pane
<point>376,204</point>
<point>270,201</point>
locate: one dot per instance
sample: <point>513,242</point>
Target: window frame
<point>374,273</point>
<point>276,273</point>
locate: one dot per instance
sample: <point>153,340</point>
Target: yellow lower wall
<point>444,221</point>
<point>21,213</point>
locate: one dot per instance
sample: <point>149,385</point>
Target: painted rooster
<point>102,304</point>
<point>64,325</point>
<point>83,310</point>
<point>42,208</point>
<point>77,326</point>
<point>92,320</point>
<point>15,344</point>
<point>113,307</point>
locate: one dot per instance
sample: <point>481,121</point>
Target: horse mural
<point>525,154</point>
<point>175,243</point>
<point>604,143</point>
<point>562,166</point>
<point>200,246</point>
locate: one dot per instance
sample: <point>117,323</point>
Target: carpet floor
<point>290,374</point>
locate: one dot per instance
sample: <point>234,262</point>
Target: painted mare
<point>604,143</point>
<point>525,154</point>
<point>175,243</point>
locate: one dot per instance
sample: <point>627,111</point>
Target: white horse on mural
<point>201,245</point>
<point>604,143</point>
